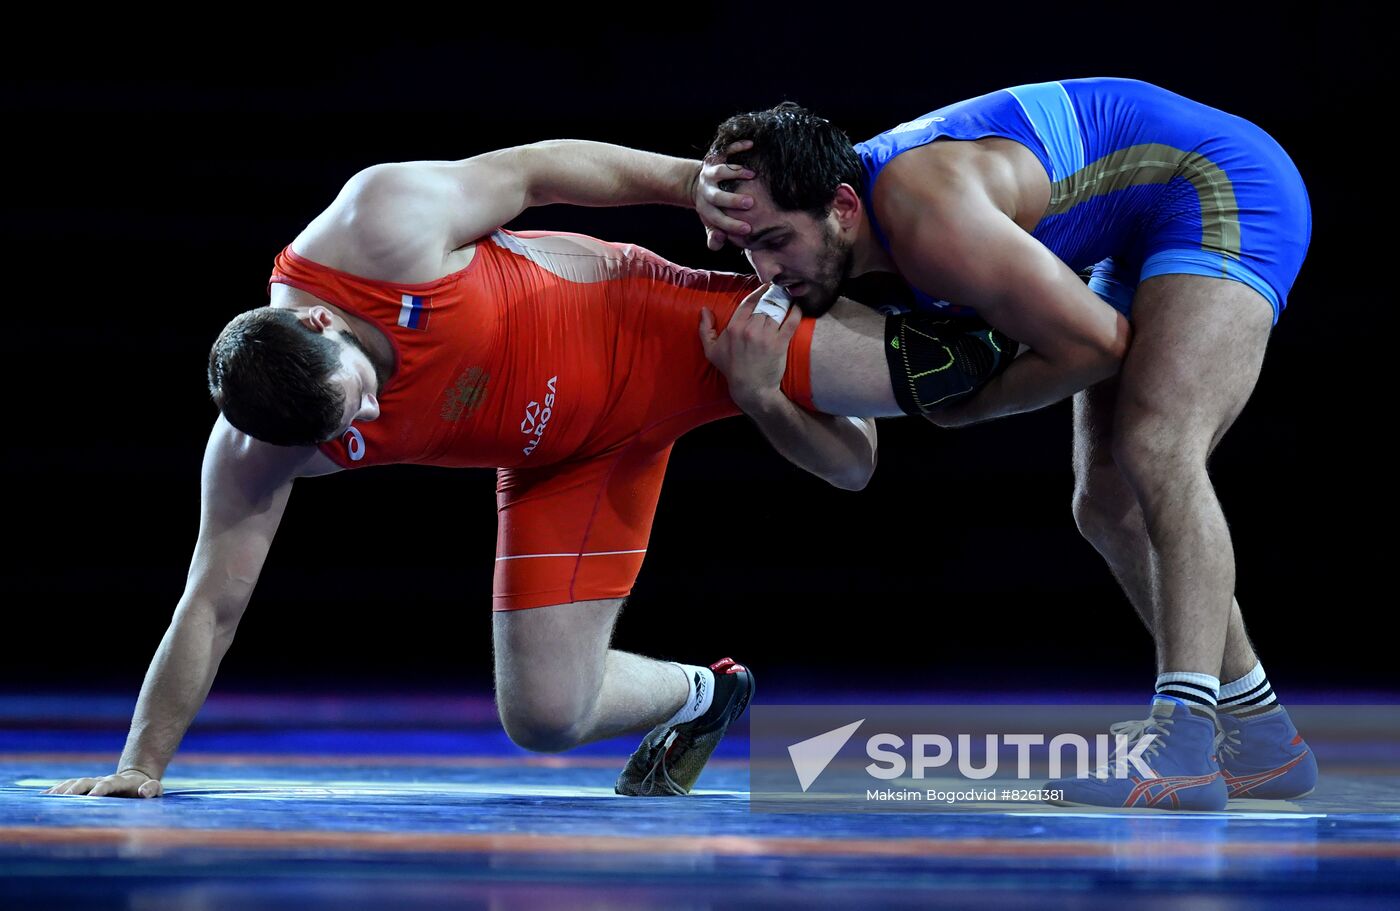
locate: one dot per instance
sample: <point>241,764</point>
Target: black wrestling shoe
<point>672,756</point>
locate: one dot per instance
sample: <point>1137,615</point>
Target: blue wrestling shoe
<point>1181,758</point>
<point>1265,757</point>
<point>671,757</point>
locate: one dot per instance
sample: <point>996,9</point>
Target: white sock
<point>702,693</point>
<point>1196,689</point>
<point>1250,695</point>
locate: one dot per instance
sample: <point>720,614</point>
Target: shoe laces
<point>660,777</point>
<point>1132,732</point>
<point>1227,743</point>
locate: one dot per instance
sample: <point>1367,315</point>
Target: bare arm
<point>752,354</point>
<point>465,200</point>
<point>245,485</point>
<point>960,246</point>
<point>841,451</point>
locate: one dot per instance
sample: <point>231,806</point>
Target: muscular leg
<point>1107,514</point>
<point>558,685</point>
<point>849,371</point>
<point>1105,508</point>
<point>1197,348</point>
<point>850,376</point>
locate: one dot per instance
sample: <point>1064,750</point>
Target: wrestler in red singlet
<point>569,364</point>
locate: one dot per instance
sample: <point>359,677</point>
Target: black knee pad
<point>937,360</point>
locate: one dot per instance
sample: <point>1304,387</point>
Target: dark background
<point>155,170</point>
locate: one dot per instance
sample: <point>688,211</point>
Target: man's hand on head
<point>711,201</point>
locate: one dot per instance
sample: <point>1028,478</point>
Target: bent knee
<point>542,728</point>
<point>1154,456</point>
<point>1104,517</point>
<point>1104,502</point>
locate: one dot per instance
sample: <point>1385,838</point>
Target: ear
<point>847,206</point>
<point>317,319</point>
<point>369,408</point>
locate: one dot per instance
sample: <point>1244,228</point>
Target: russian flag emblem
<point>414,312</point>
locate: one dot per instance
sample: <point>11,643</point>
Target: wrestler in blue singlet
<point>1143,182</point>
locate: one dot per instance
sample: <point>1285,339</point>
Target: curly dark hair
<point>268,375</point>
<point>801,157</point>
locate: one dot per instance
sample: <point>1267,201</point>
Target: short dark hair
<point>801,157</point>
<point>269,376</point>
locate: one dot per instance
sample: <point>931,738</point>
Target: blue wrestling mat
<point>411,802</point>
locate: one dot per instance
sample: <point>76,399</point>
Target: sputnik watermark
<point>927,752</point>
<point>1124,760</point>
<point>853,758</point>
<point>974,758</point>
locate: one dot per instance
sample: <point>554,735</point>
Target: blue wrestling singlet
<point>1143,182</point>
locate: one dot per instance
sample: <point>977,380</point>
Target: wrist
<point>149,766</point>
<point>691,183</point>
<point>760,402</point>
